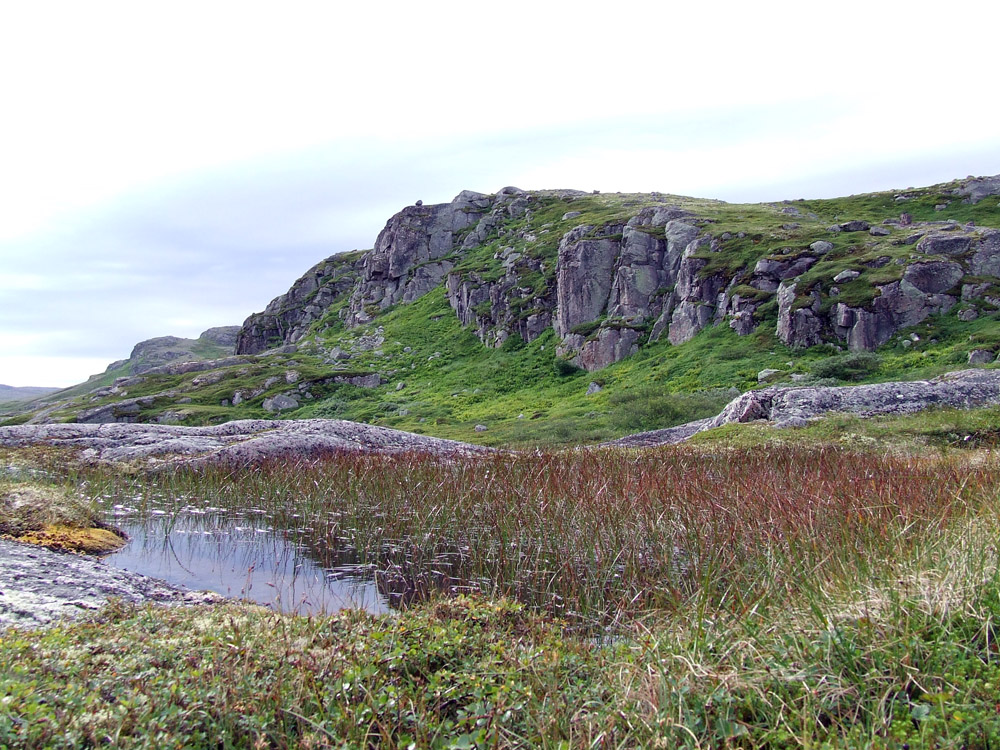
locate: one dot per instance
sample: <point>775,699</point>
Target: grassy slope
<point>470,384</point>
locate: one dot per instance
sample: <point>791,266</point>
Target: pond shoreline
<point>40,588</point>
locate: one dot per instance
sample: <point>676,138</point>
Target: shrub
<point>585,329</point>
<point>513,343</point>
<point>652,408</point>
<point>565,368</point>
<point>853,366</point>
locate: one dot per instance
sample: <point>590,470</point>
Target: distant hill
<point>10,393</point>
<point>153,353</point>
<point>561,316</point>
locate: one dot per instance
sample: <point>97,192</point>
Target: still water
<point>207,549</point>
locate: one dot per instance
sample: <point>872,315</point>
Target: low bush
<point>653,408</point>
<point>852,366</point>
<point>565,368</point>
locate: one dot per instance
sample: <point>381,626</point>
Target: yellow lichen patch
<point>93,541</point>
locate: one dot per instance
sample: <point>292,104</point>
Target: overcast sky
<point>169,167</point>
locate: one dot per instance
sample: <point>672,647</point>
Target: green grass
<point>929,432</point>
<point>517,392</point>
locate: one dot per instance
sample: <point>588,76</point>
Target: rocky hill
<point>146,356</point>
<point>619,272</point>
<point>568,316</point>
<point>152,353</point>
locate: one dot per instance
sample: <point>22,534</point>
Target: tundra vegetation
<point>747,592</point>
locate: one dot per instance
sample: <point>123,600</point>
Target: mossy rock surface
<point>50,516</point>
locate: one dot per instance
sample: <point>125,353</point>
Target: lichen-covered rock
<point>288,317</point>
<point>986,259</point>
<point>608,346</point>
<point>618,284</point>
<point>152,354</point>
<point>632,277</point>
<point>583,277</point>
<point>222,336</point>
<point>931,277</point>
<point>184,368</point>
<point>821,247</point>
<point>124,411</point>
<point>370,380</point>
<point>39,587</point>
<point>741,314</point>
<point>412,255</point>
<point>242,441</point>
<point>899,305</point>
<point>940,243</point>
<point>979,188</point>
<point>499,308</point>
<point>798,327</point>
<point>845,276</point>
<point>696,294</point>
<point>644,268</point>
<point>281,402</point>
<point>854,226</point>
<point>796,404</point>
<point>781,269</point>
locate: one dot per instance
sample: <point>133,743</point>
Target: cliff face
<point>412,255</point>
<point>288,317</point>
<point>611,273</point>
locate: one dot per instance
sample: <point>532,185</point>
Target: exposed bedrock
<point>793,406</point>
<point>243,441</point>
<point>287,318</point>
<point>413,254</point>
<point>39,587</point>
<point>663,273</point>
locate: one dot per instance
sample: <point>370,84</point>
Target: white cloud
<point>168,167</point>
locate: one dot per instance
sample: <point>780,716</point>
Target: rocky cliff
<point>611,274</point>
<point>288,317</point>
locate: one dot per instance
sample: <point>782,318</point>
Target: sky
<point>170,167</point>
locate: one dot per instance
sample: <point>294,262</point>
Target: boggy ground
<point>771,596</point>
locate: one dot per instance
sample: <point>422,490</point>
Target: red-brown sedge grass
<point>601,536</point>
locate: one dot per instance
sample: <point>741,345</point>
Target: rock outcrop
<point>629,280</point>
<point>287,318</point>
<point>608,286</point>
<point>157,352</point>
<point>240,441</point>
<point>978,188</point>
<point>786,406</point>
<point>413,254</point>
<point>39,587</point>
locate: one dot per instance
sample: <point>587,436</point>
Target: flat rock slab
<point>787,406</point>
<point>39,587</point>
<point>241,441</point>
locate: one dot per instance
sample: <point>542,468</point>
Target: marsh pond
<point>240,555</point>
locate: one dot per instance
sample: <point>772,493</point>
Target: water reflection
<point>204,548</point>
